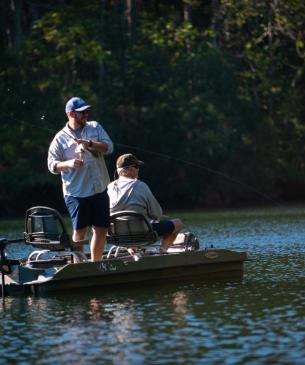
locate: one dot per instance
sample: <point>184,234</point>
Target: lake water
<point>257,320</point>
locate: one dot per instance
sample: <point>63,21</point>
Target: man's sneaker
<point>137,256</point>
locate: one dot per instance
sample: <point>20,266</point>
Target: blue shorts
<point>90,211</point>
<point>164,227</point>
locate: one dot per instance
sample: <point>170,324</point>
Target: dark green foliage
<point>209,94</point>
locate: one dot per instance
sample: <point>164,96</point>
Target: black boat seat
<point>130,229</point>
<point>46,230</point>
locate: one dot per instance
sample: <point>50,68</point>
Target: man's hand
<point>93,146</point>
<point>86,143</point>
<point>75,163</point>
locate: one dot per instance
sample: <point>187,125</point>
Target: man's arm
<point>103,144</point>
<point>154,209</point>
<point>69,164</point>
<point>93,146</point>
<point>56,161</point>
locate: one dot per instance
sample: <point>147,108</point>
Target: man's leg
<point>78,214</point>
<point>100,224</point>
<point>168,239</point>
<point>79,234</point>
<point>97,244</point>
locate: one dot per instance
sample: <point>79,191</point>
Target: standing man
<point>77,153</point>
<point>130,193</point>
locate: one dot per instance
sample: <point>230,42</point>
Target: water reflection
<point>180,302</point>
<point>96,312</point>
<point>188,321</point>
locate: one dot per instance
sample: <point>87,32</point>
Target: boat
<point>58,263</point>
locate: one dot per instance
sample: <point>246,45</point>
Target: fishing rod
<point>169,157</point>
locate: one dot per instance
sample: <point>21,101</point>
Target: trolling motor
<point>4,262</point>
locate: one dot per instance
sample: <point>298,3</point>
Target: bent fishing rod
<point>169,157</point>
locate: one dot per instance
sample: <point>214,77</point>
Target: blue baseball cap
<point>76,104</point>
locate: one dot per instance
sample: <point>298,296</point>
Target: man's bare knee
<point>100,231</point>
<point>79,234</point>
<point>178,225</point>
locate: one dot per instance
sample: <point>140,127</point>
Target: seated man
<point>129,193</point>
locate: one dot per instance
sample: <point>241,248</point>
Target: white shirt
<point>90,179</point>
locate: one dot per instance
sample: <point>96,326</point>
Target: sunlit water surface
<point>257,320</point>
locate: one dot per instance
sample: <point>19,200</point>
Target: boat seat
<point>46,230</point>
<point>130,229</point>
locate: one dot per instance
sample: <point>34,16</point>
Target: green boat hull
<point>203,264</point>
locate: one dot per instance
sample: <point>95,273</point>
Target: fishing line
<point>202,167</point>
<point>169,157</point>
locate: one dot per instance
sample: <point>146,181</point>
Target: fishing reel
<point>83,151</point>
<point>80,150</point>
